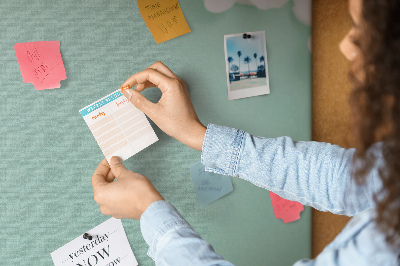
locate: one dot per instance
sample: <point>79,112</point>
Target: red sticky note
<point>41,64</point>
<point>284,209</point>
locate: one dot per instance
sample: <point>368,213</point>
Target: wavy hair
<point>375,103</point>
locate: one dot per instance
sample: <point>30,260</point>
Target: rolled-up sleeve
<point>172,241</point>
<point>313,173</point>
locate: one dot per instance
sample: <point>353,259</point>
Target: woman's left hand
<point>128,196</point>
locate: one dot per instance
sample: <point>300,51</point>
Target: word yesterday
<point>89,246</point>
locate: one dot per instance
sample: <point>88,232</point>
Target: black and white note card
<point>109,246</point>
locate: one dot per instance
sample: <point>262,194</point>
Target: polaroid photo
<point>246,64</point>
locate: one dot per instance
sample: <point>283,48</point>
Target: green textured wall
<point>48,154</point>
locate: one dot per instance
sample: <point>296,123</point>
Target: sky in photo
<point>248,47</point>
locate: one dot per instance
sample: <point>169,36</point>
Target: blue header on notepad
<point>100,103</point>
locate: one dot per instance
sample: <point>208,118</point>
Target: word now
<point>94,258</point>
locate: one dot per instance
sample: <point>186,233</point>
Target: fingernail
<point>115,160</point>
<point>127,93</point>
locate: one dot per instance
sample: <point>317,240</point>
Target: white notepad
<point>118,126</point>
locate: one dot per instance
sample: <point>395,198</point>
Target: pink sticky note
<point>284,209</point>
<point>41,64</point>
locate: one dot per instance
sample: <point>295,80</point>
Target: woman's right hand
<point>174,112</point>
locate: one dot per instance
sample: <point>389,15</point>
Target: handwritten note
<point>164,18</point>
<point>284,209</point>
<point>109,246</point>
<point>118,126</point>
<point>209,186</point>
<point>41,64</point>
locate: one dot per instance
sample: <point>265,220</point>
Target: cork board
<point>49,155</point>
<point>331,88</point>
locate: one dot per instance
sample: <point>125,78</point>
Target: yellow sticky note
<point>164,18</point>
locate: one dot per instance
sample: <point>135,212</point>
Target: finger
<point>100,174</point>
<point>160,67</point>
<point>140,102</point>
<point>159,80</point>
<point>142,86</point>
<point>118,216</point>
<point>139,86</point>
<point>117,167</point>
<point>110,177</point>
<point>105,210</point>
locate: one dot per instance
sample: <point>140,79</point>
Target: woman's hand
<point>128,196</point>
<point>174,113</point>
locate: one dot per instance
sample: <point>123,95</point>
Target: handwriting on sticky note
<point>118,126</point>
<point>209,186</point>
<point>284,209</point>
<point>41,63</point>
<point>164,18</point>
<point>109,246</point>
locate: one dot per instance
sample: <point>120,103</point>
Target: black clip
<point>246,36</point>
<point>87,236</point>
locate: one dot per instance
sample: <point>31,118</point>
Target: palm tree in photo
<point>230,60</point>
<point>262,72</point>
<point>239,54</point>
<point>255,59</point>
<point>247,60</point>
<point>234,68</point>
<point>262,59</point>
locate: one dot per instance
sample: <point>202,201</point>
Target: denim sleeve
<point>360,243</point>
<point>172,241</point>
<point>312,173</point>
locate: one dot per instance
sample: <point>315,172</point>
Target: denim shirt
<point>312,173</point>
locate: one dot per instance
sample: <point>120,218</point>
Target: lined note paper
<point>164,18</point>
<point>41,64</point>
<point>118,126</point>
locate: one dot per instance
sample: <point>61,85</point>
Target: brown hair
<point>375,102</point>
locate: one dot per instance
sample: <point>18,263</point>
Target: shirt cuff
<point>222,148</point>
<point>158,219</point>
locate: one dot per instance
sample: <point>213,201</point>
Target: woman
<point>360,182</point>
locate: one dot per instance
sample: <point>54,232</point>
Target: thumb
<point>117,167</point>
<point>100,174</point>
<point>139,101</point>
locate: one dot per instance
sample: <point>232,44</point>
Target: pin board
<point>49,155</point>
